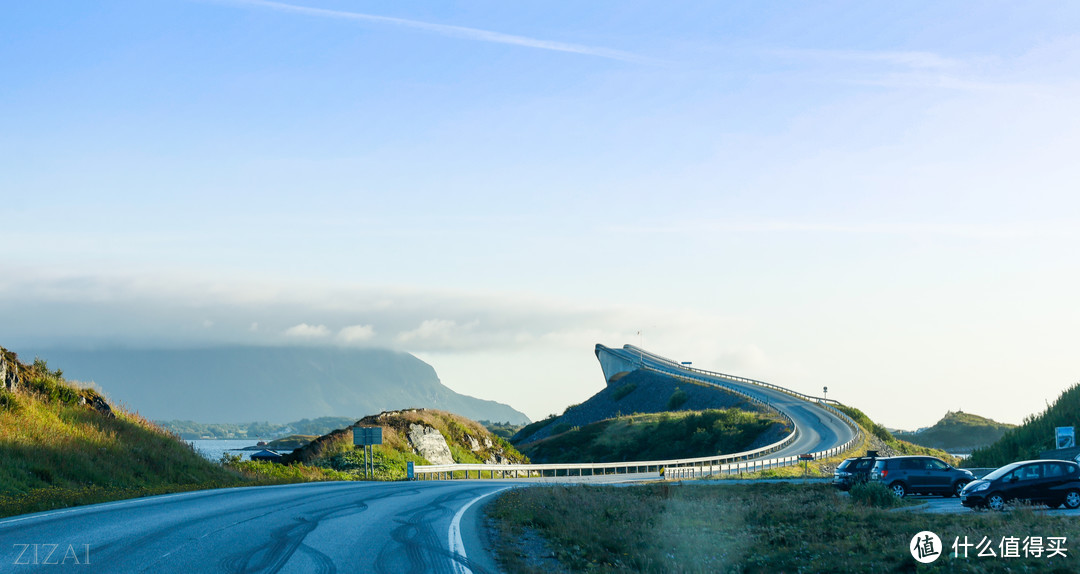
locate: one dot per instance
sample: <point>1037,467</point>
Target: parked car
<point>1049,482</point>
<point>919,475</point>
<point>854,471</point>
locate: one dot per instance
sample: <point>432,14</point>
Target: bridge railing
<point>641,353</point>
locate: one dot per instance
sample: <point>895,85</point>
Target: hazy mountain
<point>276,384</point>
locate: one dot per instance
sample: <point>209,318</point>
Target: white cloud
<point>305,331</point>
<point>438,333</point>
<point>357,333</point>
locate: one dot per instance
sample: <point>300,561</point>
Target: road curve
<point>327,527</point>
<point>819,429</point>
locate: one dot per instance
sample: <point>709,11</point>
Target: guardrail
<point>735,463</point>
<point>641,353</point>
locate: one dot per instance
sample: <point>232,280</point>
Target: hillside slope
<point>1035,435</point>
<point>637,392</point>
<point>660,436</point>
<point>277,384</point>
<point>958,432</point>
<point>411,435</point>
<point>56,435</point>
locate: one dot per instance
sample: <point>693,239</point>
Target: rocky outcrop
<point>9,372</point>
<point>429,443</point>
<point>98,404</point>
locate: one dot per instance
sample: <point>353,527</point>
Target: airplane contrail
<point>462,32</point>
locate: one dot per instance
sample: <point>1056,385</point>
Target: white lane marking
<point>454,534</point>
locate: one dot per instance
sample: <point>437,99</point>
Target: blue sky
<point>880,198</point>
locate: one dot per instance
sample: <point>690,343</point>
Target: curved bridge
<point>819,429</point>
<point>819,425</point>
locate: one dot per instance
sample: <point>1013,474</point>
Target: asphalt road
<point>398,528</point>
<point>819,429</point>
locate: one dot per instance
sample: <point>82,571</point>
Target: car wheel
<point>960,484</point>
<point>1072,499</point>
<point>898,489</point>
<point>995,502</point>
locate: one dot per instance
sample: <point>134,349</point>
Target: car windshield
<point>1001,471</point>
<point>844,465</point>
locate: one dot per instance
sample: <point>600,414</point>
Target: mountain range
<point>276,384</point>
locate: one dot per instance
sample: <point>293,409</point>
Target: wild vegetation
<point>657,437</point>
<point>1034,436</point>
<point>958,432</point>
<point>762,527</point>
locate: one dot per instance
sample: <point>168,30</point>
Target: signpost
<point>1066,437</point>
<point>366,437</point>
<point>805,458</point>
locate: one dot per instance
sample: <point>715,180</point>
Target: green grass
<point>656,436</point>
<point>765,527</point>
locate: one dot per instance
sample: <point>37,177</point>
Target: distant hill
<point>958,432</point>
<point>636,392</point>
<point>1035,435</point>
<point>277,384</point>
<point>191,430</point>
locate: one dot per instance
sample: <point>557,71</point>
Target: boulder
<point>429,443</point>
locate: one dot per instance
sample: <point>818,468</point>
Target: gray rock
<point>429,443</point>
<point>9,374</point>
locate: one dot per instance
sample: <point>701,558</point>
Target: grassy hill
<point>468,441</point>
<point>958,432</point>
<point>659,436</point>
<point>1035,435</point>
<point>63,445</point>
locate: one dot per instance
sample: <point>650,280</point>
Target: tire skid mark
<point>286,541</point>
<point>416,548</point>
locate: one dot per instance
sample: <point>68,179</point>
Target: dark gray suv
<point>919,475</point>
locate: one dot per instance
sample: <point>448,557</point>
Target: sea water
<point>212,449</point>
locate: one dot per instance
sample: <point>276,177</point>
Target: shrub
<point>622,391</point>
<point>677,399</point>
<point>875,495</point>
